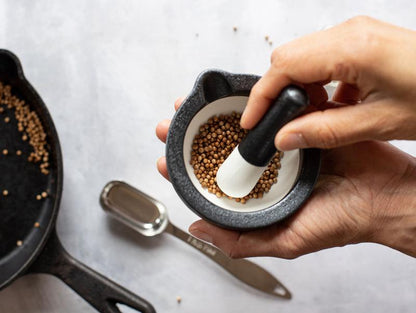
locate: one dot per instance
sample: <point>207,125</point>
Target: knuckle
<point>369,43</point>
<point>256,90</point>
<point>362,44</point>
<point>359,21</point>
<point>280,58</point>
<point>366,39</point>
<point>275,55</point>
<point>327,136</point>
<point>259,91</point>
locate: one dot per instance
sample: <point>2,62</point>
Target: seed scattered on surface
<point>266,38</point>
<point>5,151</point>
<point>18,152</point>
<point>36,225</point>
<point>178,299</point>
<point>270,43</point>
<point>29,124</point>
<point>216,139</point>
<point>38,197</point>
<point>235,28</point>
<point>19,243</point>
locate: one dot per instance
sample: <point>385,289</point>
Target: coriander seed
<point>29,124</point>
<point>216,139</point>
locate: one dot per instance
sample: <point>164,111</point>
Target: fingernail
<point>200,235</point>
<point>291,142</point>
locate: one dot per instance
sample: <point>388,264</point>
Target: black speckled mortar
<point>217,92</point>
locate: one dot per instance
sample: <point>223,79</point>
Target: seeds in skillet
<point>36,225</point>
<point>44,194</point>
<point>19,243</point>
<point>216,139</point>
<point>29,124</point>
<point>18,152</point>
<point>5,192</point>
<point>5,151</point>
<point>38,197</point>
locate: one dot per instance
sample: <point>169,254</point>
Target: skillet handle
<point>102,293</point>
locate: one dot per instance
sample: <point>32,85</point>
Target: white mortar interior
<point>286,176</point>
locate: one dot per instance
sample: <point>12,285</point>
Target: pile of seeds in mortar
<point>216,139</point>
<point>29,124</point>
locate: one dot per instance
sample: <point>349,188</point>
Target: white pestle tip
<point>236,177</point>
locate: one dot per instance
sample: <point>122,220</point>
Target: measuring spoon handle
<point>244,270</point>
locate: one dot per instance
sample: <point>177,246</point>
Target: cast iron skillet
<point>41,251</point>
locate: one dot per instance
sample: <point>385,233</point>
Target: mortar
<point>218,92</point>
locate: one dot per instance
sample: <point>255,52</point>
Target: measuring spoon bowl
<point>134,208</point>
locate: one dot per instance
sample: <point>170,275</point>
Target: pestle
<point>240,172</point>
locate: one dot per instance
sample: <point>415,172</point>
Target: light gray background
<point>109,71</point>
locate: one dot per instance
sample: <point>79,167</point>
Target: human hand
<point>365,193</point>
<point>375,63</point>
<point>366,190</point>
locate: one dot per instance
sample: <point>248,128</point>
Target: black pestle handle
<point>258,147</point>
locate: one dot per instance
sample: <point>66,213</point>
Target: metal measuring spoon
<point>149,217</point>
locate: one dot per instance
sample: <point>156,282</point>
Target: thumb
<point>341,126</point>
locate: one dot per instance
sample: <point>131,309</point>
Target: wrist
<point>395,222</point>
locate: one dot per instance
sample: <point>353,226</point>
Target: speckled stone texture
<point>212,85</point>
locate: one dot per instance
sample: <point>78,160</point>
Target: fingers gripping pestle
<point>240,172</point>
